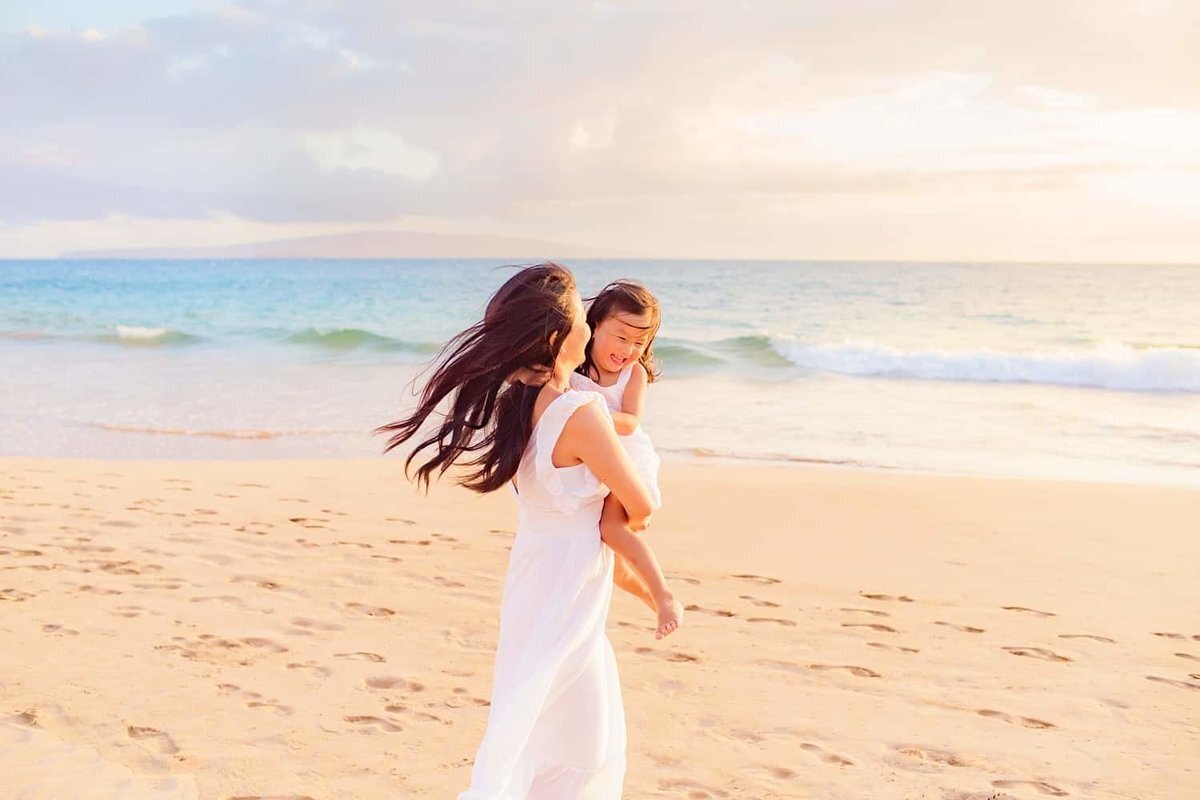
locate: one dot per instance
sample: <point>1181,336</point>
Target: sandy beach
<point>319,629</point>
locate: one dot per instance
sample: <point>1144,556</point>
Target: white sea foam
<point>1109,366</point>
<point>133,332</point>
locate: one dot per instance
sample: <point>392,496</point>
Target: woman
<point>556,727</point>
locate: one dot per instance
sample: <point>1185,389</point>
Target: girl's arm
<point>589,437</point>
<point>633,403</point>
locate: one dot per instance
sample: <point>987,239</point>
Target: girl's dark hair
<point>623,297</point>
<point>489,419</point>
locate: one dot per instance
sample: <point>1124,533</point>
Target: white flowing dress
<point>637,444</point>
<point>556,726</point>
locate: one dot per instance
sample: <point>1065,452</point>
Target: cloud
<point>320,112</point>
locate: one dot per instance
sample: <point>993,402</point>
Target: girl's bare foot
<point>670,616</point>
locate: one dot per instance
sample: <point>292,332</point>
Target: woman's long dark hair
<point>489,420</point>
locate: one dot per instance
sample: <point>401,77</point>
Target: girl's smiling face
<point>620,339</point>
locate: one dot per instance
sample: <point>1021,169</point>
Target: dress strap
<point>549,429</point>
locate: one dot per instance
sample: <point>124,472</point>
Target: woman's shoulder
<point>581,382</point>
<point>560,410</point>
<point>584,412</point>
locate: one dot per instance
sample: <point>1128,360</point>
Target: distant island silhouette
<point>371,244</point>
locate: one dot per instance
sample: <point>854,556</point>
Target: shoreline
<point>670,458</point>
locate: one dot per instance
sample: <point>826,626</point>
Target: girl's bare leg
<point>625,578</point>
<point>631,547</point>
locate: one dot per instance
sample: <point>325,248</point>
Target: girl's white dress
<point>637,444</point>
<point>556,727</point>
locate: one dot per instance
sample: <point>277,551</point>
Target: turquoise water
<point>1055,371</point>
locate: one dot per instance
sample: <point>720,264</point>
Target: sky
<point>857,129</point>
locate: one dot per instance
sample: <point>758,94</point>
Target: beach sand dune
<point>319,629</point>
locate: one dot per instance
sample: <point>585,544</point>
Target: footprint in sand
<point>926,759</point>
<point>902,598</point>
<point>861,672</point>
<point>375,722</point>
<point>307,625</point>
<point>668,655</point>
<point>825,755</point>
<point>6,551</point>
<point>262,583</point>
<point>713,612</point>
<point>1024,722</point>
<point>957,627</point>
<point>893,647</point>
<point>1041,786</point>
<point>462,698</point>
<point>363,545</point>
<point>98,590</point>
<point>161,742</point>
<point>873,612</point>
<point>758,602</point>
<point>1173,682</point>
<point>1029,611</point>
<point>59,630</point>
<point>27,718</point>
<point>393,682</point>
<point>361,656</point>
<point>371,611</point>
<point>1036,652</point>
<point>1091,636</point>
<point>697,791</point>
<point>683,579</point>
<point>875,626</point>
<point>14,595</point>
<point>312,667</point>
<point>265,644</point>
<point>423,716</point>
<point>280,709</point>
<point>1188,656</point>
<point>1165,635</point>
<point>787,623</point>
<point>757,579</point>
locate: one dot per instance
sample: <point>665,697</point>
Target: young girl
<point>619,364</point>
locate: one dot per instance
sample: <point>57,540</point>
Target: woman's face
<point>571,355</point>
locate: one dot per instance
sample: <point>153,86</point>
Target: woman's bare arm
<point>589,437</point>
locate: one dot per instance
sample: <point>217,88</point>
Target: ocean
<point>1045,371</point>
